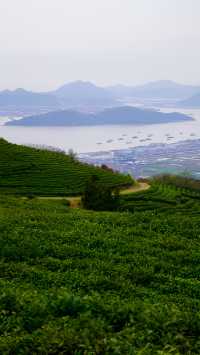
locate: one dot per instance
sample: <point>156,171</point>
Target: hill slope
<point>25,170</point>
<point>78,282</point>
<point>118,115</point>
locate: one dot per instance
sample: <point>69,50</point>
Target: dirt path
<point>75,202</point>
<point>141,186</point>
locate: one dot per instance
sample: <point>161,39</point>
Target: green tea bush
<point>84,282</point>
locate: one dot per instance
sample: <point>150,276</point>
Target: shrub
<point>98,197</point>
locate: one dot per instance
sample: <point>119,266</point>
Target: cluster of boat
<point>123,137</point>
<point>142,140</point>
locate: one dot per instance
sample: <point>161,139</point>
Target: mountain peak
<point>84,93</point>
<point>20,90</point>
<point>78,84</point>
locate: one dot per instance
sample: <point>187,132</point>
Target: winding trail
<point>140,186</point>
<point>76,201</point>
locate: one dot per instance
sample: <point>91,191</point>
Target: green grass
<point>30,171</point>
<point>81,282</point>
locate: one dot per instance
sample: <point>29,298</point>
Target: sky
<point>46,43</point>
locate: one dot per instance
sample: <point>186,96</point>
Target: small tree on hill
<point>107,168</point>
<point>98,197</point>
<point>72,155</point>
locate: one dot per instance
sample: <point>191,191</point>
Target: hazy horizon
<point>106,85</point>
<point>45,44</point>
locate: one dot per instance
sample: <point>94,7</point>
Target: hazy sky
<point>45,43</point>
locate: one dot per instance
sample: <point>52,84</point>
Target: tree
<point>107,168</point>
<point>98,197</point>
<point>72,155</point>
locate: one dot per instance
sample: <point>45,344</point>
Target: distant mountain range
<point>192,102</point>
<point>28,98</point>
<point>76,95</point>
<point>22,100</point>
<point>163,89</point>
<point>119,115</point>
<point>84,94</point>
<point>87,97</point>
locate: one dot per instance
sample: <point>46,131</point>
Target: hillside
<point>25,170</point>
<point>80,282</point>
<point>117,115</point>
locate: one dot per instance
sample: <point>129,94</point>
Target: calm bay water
<point>104,138</point>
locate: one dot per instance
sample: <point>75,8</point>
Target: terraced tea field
<point>30,171</point>
<point>82,282</point>
<point>163,197</point>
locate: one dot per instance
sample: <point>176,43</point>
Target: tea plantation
<point>167,194</point>
<point>83,282</point>
<point>30,171</point>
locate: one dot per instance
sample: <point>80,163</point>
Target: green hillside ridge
<point>83,282</point>
<point>25,170</point>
